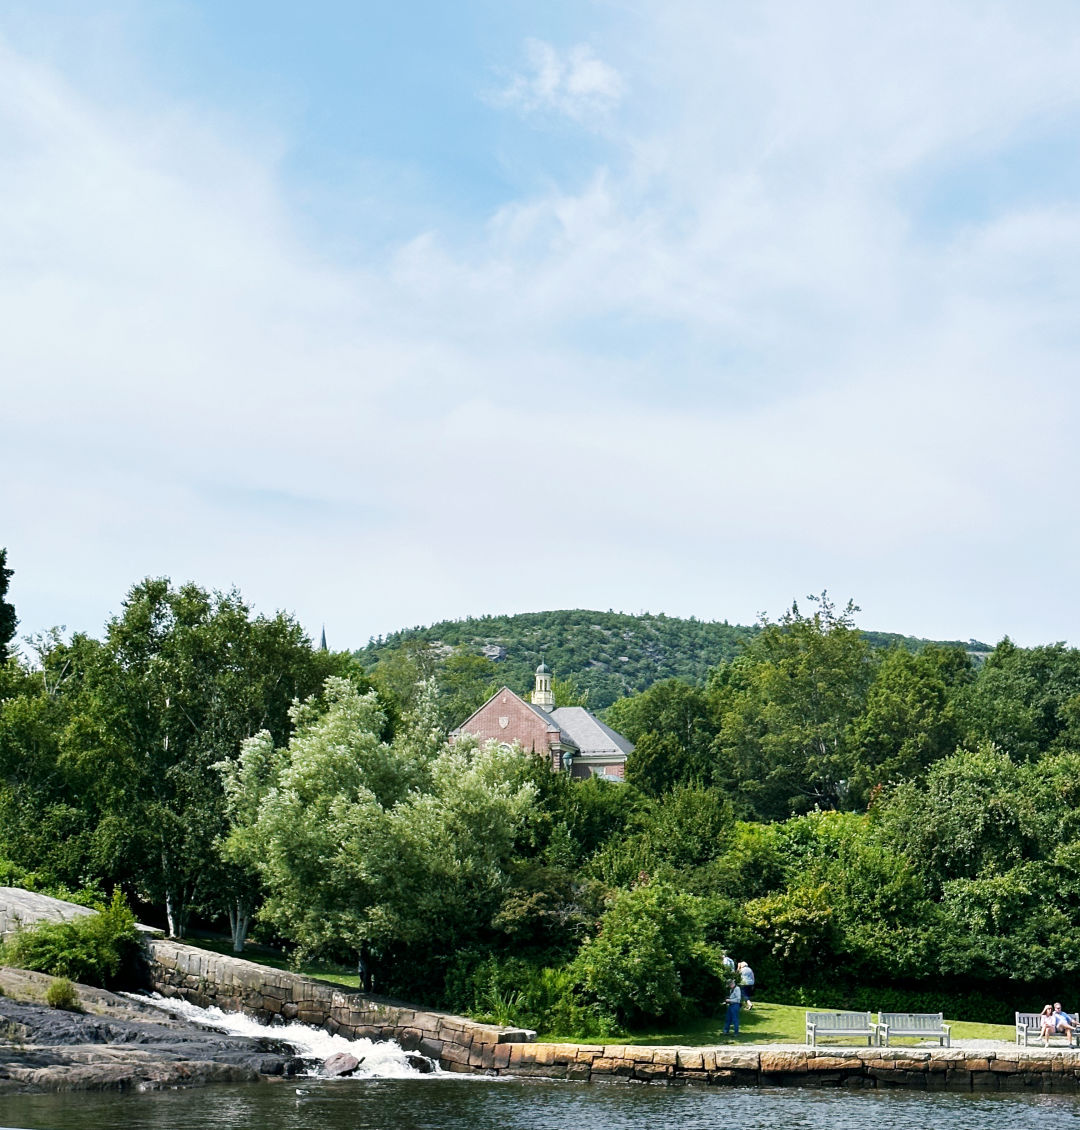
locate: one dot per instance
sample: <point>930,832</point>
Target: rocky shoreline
<point>115,1043</point>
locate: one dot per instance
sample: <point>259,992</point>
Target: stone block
<point>476,1057</point>
<point>1005,1064</point>
<point>455,1053</point>
<point>779,1063</point>
<point>501,1056</point>
<point>826,1063</point>
<point>580,1071</point>
<point>652,1072</point>
<point>431,1048</point>
<point>690,1060</point>
<point>984,1081</point>
<point>640,1054</point>
<point>666,1057</point>
<point>739,1060</point>
<point>545,1071</point>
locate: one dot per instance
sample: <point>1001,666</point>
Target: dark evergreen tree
<point>8,620</point>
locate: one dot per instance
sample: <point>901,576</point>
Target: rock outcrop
<point>117,1044</point>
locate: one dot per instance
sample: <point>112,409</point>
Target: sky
<point>392,313</point>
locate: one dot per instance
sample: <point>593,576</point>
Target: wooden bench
<point>1029,1024</point>
<point>918,1025</point>
<point>846,1024</point>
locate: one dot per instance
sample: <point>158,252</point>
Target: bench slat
<point>914,1025</point>
<point>838,1024</point>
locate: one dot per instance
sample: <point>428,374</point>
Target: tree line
<point>869,827</point>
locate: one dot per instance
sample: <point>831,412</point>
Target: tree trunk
<point>170,916</point>
<point>239,923</point>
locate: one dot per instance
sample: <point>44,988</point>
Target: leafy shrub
<point>520,993</point>
<point>95,949</point>
<point>650,942</point>
<point>61,994</point>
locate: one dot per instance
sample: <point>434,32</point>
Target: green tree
<point>8,620</point>
<point>466,681</point>
<point>672,727</point>
<point>1024,699</point>
<point>180,680</point>
<point>787,708</point>
<point>971,816</point>
<point>668,838</point>
<point>650,944</point>
<point>909,722</point>
<point>401,850</point>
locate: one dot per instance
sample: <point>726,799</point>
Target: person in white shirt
<point>747,981</point>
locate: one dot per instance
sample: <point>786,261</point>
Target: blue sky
<point>392,313</point>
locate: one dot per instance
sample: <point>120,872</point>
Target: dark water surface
<point>474,1104</point>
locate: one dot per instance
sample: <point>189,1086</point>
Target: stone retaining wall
<point>206,978</point>
<point>459,1044</point>
<point>952,1069</point>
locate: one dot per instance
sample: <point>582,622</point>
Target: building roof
<point>548,717</point>
<point>588,733</point>
<point>581,732</point>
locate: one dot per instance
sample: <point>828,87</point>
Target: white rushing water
<point>379,1059</point>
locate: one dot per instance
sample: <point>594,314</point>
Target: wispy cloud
<point>822,386</point>
<point>575,83</point>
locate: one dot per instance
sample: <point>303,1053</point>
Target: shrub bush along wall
<point>99,949</point>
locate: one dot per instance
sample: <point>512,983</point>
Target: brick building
<point>569,737</point>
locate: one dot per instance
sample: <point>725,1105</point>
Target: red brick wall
<point>523,724</point>
<point>581,770</point>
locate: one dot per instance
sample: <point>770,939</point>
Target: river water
<point>387,1094</point>
<point>460,1103</point>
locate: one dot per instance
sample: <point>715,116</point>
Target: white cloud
<point>574,82</point>
<point>730,356</point>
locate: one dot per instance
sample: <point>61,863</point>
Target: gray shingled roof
<point>588,733</point>
<point>552,723</point>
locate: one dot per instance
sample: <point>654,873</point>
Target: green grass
<point>767,1023</point>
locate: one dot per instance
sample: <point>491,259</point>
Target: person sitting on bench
<point>1063,1022</point>
<point>1047,1024</point>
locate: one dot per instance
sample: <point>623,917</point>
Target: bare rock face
<point>115,1043</point>
<point>26,908</point>
<point>340,1065</point>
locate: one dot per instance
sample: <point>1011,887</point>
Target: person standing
<point>734,1002</point>
<point>747,981</point>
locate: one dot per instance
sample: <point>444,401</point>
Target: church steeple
<point>542,695</point>
<point>322,644</point>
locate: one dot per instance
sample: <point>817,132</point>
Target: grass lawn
<point>765,1023</point>
<point>769,1023</point>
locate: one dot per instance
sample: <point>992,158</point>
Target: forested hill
<point>608,654</point>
